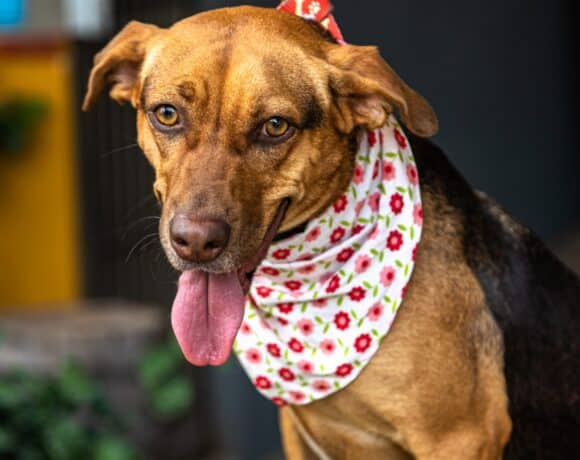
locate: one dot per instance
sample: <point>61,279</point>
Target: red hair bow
<point>315,10</point>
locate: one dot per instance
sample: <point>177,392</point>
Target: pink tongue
<point>206,315</point>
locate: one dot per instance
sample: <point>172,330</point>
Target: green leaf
<point>112,448</point>
<point>173,398</point>
<point>158,365</point>
<point>75,385</point>
<point>64,439</point>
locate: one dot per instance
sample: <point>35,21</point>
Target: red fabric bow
<point>315,10</point>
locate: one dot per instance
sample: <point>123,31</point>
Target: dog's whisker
<point>119,149</point>
<point>141,241</point>
<point>142,202</point>
<point>138,221</point>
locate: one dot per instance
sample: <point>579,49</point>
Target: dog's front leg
<point>295,447</point>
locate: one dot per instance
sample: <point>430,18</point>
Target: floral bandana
<point>322,300</point>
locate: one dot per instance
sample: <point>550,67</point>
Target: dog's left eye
<point>167,115</point>
<point>276,129</point>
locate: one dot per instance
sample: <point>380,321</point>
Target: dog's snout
<point>198,240</point>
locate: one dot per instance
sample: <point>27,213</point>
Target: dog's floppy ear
<point>118,64</point>
<point>366,89</point>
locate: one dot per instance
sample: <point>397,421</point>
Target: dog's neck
<point>327,293</point>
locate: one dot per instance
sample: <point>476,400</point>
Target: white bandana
<point>322,300</point>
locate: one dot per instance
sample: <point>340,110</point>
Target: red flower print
<point>375,169</point>
<point>304,257</point>
<point>343,370</point>
<point>358,174</point>
<point>403,290</point>
<point>412,174</point>
<point>362,263</point>
<point>307,269</point>
<point>320,303</point>
<point>400,139</point>
<point>340,204</point>
<point>342,320</point>
<point>270,271</point>
<point>375,312</point>
<point>297,396</point>
<point>327,346</point>
<point>357,229</point>
<point>280,402</point>
<point>325,277</point>
<point>396,203</point>
<point>296,346</point>
<point>286,374</point>
<point>274,350</point>
<point>414,255</point>
<point>337,234</point>
<point>418,214</point>
<point>387,276</point>
<point>372,137</point>
<point>358,207</point>
<point>263,291</point>
<point>305,366</point>
<point>245,328</point>
<point>263,383</point>
<point>293,285</point>
<point>254,356</point>
<point>374,201</point>
<point>395,240</point>
<point>313,234</point>
<point>374,233</point>
<point>362,343</point>
<point>306,326</point>
<point>333,284</point>
<point>283,322</point>
<point>285,308</point>
<point>321,385</point>
<point>357,293</point>
<point>389,170</point>
<point>345,254</point>
<point>281,254</point>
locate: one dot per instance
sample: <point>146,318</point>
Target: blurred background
<point>88,368</point>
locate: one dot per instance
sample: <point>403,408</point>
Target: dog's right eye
<point>167,115</point>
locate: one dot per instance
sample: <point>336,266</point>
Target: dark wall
<point>500,76</point>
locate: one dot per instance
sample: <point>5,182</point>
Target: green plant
<point>64,417</point>
<point>169,391</point>
<point>19,117</point>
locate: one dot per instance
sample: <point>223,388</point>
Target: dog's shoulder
<point>535,301</point>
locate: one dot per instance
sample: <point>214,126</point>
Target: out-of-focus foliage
<point>62,417</point>
<point>19,118</point>
<point>169,391</point>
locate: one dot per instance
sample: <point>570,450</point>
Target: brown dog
<point>244,110</point>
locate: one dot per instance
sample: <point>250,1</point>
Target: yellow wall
<point>38,219</point>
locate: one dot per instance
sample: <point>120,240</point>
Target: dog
<point>250,119</point>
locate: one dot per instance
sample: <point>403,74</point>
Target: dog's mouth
<point>209,307</point>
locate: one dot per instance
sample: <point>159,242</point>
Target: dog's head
<point>249,117</point>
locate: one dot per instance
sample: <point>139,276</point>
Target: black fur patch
<point>535,300</point>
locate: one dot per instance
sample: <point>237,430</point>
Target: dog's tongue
<point>206,315</point>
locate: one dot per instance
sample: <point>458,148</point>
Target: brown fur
<point>435,389</point>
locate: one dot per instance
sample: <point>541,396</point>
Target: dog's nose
<point>198,240</point>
